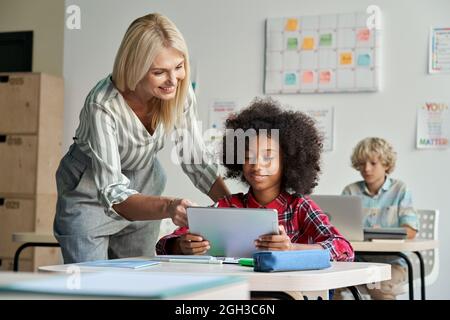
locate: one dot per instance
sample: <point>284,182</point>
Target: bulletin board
<point>326,53</point>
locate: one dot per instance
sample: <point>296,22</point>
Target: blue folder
<point>273,261</point>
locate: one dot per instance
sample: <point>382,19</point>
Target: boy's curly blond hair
<point>370,147</point>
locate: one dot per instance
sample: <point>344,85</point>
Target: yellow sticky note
<point>308,43</point>
<point>308,77</point>
<point>292,24</point>
<point>346,58</point>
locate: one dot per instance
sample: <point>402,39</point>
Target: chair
<point>428,229</point>
<point>31,239</point>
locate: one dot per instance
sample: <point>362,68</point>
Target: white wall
<point>226,39</point>
<point>45,18</point>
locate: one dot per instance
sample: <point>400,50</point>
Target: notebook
<point>182,256</point>
<point>119,263</point>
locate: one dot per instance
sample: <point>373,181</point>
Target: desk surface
<point>340,274</point>
<point>238,290</point>
<point>34,237</point>
<point>394,245</point>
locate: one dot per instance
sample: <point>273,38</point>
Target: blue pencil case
<point>273,261</point>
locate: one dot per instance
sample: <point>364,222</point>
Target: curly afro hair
<point>300,143</point>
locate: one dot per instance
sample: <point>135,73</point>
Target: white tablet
<point>231,232</point>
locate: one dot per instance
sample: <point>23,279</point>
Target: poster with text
<point>433,126</point>
<point>439,51</point>
<point>219,111</point>
<point>324,118</point>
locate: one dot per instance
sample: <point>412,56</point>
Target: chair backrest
<point>428,229</point>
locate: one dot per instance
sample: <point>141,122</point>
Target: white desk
<point>397,248</point>
<point>238,290</point>
<point>394,246</point>
<point>312,283</point>
<point>34,237</point>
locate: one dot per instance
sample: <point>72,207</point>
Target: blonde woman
<point>110,181</point>
<point>387,202</point>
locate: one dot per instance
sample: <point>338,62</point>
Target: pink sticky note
<point>363,35</point>
<point>325,77</point>
<point>308,77</point>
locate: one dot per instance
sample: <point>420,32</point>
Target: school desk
<point>313,284</point>
<point>399,248</point>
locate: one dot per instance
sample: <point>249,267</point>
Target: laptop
<point>345,213</point>
<point>231,232</point>
<point>385,233</point>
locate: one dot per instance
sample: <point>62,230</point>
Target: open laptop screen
<point>345,213</point>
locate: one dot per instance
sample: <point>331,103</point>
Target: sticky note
<point>290,79</point>
<point>364,60</point>
<point>363,35</point>
<point>326,40</point>
<point>346,58</point>
<point>308,43</point>
<point>308,77</point>
<point>292,24</point>
<point>325,77</point>
<point>292,43</point>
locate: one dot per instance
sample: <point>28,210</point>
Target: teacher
<point>110,181</point>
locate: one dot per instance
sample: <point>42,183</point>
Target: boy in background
<point>387,202</point>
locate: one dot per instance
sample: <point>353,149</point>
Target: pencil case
<point>274,261</point>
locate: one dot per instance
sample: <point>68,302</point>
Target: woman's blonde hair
<point>143,41</point>
<point>370,147</point>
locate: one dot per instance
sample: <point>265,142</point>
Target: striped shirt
<point>112,135</point>
<point>391,207</point>
<point>301,217</point>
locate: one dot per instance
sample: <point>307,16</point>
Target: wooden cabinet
<point>18,164</point>
<point>16,215</point>
<point>19,103</point>
<point>31,116</point>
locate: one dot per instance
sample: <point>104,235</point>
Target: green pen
<point>248,262</point>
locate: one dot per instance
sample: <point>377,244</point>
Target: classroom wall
<point>226,41</point>
<point>46,19</point>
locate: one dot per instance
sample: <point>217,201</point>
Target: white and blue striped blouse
<point>112,135</point>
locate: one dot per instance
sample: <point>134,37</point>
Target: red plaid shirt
<point>301,217</point>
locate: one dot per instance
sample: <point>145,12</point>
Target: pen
<point>195,261</point>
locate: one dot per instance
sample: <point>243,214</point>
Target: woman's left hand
<point>280,242</point>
